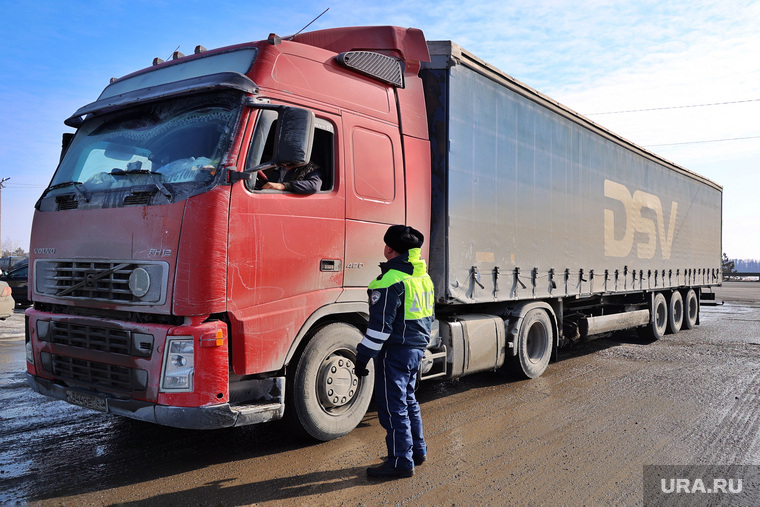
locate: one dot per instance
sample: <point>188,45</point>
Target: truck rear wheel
<point>691,309</point>
<point>533,344</point>
<point>325,398</point>
<point>675,312</point>
<point>658,320</point>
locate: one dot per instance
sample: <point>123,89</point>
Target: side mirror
<point>294,140</point>
<point>295,136</point>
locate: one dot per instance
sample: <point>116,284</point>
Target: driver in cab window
<point>304,179</point>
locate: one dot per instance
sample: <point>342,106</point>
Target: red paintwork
<point>201,268</point>
<point>276,242</point>
<point>405,43</point>
<point>211,368</point>
<point>147,233</point>
<point>256,257</point>
<point>152,366</point>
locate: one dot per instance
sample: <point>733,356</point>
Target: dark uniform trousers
<point>397,408</point>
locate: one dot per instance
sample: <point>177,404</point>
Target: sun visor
<point>222,80</point>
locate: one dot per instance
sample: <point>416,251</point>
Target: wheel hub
<point>337,383</point>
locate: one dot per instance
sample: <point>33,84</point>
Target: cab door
<point>286,252</point>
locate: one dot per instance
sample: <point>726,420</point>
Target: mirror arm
<point>233,175</point>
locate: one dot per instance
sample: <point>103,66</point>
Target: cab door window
<point>263,148</point>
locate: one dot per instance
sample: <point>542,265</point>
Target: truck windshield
<point>165,150</point>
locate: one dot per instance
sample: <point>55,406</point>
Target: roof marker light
<point>177,55</point>
<point>199,49</point>
<point>157,61</point>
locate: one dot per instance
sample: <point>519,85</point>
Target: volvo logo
<point>90,279</point>
<point>44,251</point>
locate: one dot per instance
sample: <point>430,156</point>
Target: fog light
<point>179,365</point>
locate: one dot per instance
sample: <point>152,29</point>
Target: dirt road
<point>580,434</point>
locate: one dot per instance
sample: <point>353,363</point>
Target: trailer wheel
<point>658,321</point>
<point>691,309</point>
<point>325,398</point>
<point>533,344</point>
<point>675,312</point>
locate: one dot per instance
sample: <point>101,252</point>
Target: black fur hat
<point>402,238</point>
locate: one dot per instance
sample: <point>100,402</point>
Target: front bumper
<point>222,415</point>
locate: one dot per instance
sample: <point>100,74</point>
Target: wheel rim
<point>337,384</point>
<point>661,318</point>
<point>678,311</point>
<point>693,308</point>
<point>537,342</point>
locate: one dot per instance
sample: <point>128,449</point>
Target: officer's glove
<point>361,369</point>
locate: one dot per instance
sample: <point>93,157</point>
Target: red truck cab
<point>168,287</point>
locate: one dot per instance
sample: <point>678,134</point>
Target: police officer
<point>400,317</point>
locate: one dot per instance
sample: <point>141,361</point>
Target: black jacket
<point>305,179</point>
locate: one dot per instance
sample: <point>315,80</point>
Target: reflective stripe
<point>377,334</point>
<point>388,279</point>
<point>371,345</point>
<point>419,301</point>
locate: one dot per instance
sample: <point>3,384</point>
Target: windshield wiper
<point>138,170</point>
<point>75,184</point>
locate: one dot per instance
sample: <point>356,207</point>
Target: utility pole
<point>2,186</point>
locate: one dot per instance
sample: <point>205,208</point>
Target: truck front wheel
<point>325,398</point>
<point>533,344</point>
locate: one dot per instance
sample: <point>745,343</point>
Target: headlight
<point>29,352</point>
<point>139,282</point>
<point>179,365</point>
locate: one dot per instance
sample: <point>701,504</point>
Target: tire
<point>675,312</point>
<point>691,309</point>
<point>325,399</point>
<point>533,344</point>
<point>658,321</point>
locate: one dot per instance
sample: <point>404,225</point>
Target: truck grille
<point>116,341</point>
<point>94,280</point>
<point>101,280</point>
<point>98,375</point>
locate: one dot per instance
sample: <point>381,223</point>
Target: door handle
<point>330,265</point>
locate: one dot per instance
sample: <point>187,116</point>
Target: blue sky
<point>594,56</point>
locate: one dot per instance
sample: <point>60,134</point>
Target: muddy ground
<point>578,435</point>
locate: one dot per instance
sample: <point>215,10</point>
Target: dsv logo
<point>637,222</point>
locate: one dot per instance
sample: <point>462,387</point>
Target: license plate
<point>87,400</point>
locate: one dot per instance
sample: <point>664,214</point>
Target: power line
<point>674,107</point>
<point>702,142</point>
<point>11,186</point>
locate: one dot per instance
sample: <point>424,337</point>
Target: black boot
<point>388,471</point>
